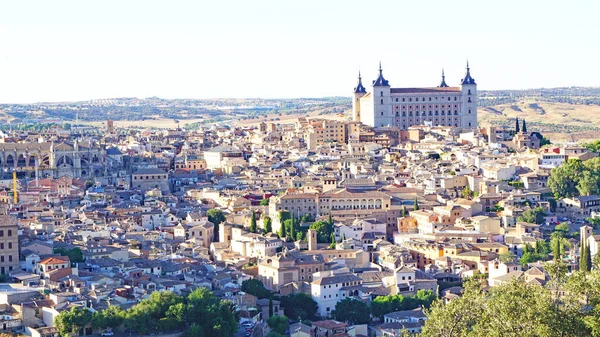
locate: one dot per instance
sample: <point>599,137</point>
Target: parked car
<point>108,333</point>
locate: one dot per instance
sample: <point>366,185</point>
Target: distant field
<point>557,121</point>
<point>149,123</point>
<point>292,117</point>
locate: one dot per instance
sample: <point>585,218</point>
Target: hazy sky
<point>74,50</point>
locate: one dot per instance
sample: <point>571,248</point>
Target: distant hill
<point>563,113</point>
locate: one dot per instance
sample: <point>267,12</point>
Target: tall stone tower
<point>585,232</point>
<point>359,91</point>
<point>382,101</point>
<point>469,101</point>
<point>312,239</point>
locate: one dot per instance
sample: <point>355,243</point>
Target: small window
<point>381,93</point>
<point>382,113</point>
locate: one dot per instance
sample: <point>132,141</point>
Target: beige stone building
<point>9,244</point>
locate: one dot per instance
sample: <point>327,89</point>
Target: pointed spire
<point>360,88</point>
<point>517,130</point>
<point>443,84</point>
<point>468,79</point>
<point>381,82</point>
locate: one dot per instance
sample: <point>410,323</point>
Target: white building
<point>405,107</point>
<point>328,290</point>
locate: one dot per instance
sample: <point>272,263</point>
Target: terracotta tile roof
<point>55,260</point>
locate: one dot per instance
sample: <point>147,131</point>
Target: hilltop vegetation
<point>571,113</point>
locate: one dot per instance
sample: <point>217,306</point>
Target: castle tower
<point>312,239</point>
<point>382,102</point>
<point>469,101</point>
<point>359,91</point>
<point>443,84</point>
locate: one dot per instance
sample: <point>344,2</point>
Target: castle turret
<point>382,101</point>
<point>443,84</point>
<point>469,100</point>
<point>359,91</point>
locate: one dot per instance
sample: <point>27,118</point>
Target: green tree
<point>458,317</point>
<point>416,205</point>
<point>594,222</point>
<point>425,298</point>
<point>541,248</point>
<point>533,215</point>
<point>264,202</point>
<point>592,146</point>
<point>306,218</point>
<point>253,222</point>
<point>352,311</point>
<point>526,258</point>
<point>278,323</point>
<point>507,257</point>
<point>404,213</point>
<point>216,317</point>
<point>111,317</point>
<point>268,224</point>
<point>589,183</point>
<point>292,229</point>
<point>558,243</point>
<point>299,306</point>
<point>138,321</point>
<point>332,245</point>
<point>323,230</point>
<point>270,307</point>
<point>255,287</point>
<point>75,254</point>
<point>217,217</point>
<point>563,228</point>
<point>467,193</point>
<point>69,322</point>
<point>585,261</point>
<point>195,330</point>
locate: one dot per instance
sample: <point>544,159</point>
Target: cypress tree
<point>524,126</point>
<point>253,222</point>
<point>416,205</point>
<point>270,307</point>
<point>268,224</point>
<point>517,126</point>
<point>585,260</point>
<point>293,229</point>
<point>588,258</point>
<point>281,229</point>
<point>404,211</point>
